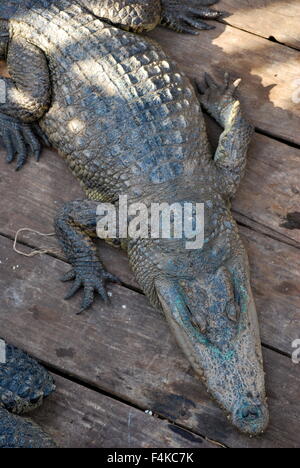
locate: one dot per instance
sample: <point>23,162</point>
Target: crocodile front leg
<point>144,15</point>
<point>27,98</point>
<point>75,226</point>
<point>134,15</point>
<point>231,154</point>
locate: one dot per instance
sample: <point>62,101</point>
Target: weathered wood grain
<point>126,349</point>
<point>270,191</point>
<point>268,18</point>
<point>275,277</point>
<point>77,417</point>
<point>270,72</point>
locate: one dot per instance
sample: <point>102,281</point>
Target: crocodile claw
<point>20,139</point>
<point>92,278</point>
<point>219,99</point>
<point>186,17</point>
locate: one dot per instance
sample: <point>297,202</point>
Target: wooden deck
<point>113,363</point>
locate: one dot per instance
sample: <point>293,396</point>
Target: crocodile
<point>24,385</point>
<point>129,122</point>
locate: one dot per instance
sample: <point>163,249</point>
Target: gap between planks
<point>270,38</point>
<point>78,417</point>
<point>58,375</point>
<point>265,18</point>
<point>269,72</point>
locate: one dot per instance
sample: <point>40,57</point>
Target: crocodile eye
<point>195,293</point>
<point>233,311</point>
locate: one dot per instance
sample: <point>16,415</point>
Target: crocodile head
<point>214,319</point>
<point>211,311</point>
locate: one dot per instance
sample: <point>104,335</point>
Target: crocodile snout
<point>251,418</point>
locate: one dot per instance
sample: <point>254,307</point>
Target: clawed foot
<point>92,278</point>
<point>219,100</point>
<point>20,139</point>
<point>187,17</point>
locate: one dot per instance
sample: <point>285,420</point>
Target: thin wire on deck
<point>34,252</point>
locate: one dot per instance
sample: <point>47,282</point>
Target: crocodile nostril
<point>251,412</point>
<point>251,417</point>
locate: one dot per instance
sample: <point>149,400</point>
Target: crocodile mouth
<point>232,373</point>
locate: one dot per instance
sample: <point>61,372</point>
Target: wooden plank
<point>126,349</point>
<point>275,277</point>
<point>270,191</point>
<point>268,18</point>
<point>77,417</point>
<point>270,72</point>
